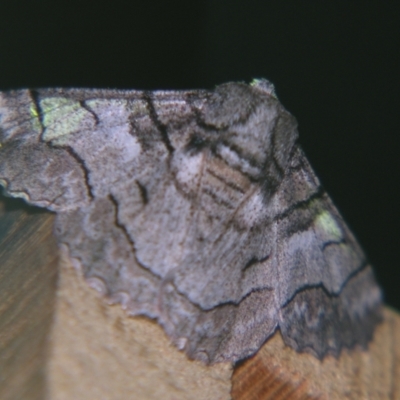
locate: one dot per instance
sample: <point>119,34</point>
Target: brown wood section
<point>28,271</point>
<point>277,372</point>
<point>253,380</point>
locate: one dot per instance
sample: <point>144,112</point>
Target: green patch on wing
<point>328,224</point>
<point>61,117</point>
<point>35,118</point>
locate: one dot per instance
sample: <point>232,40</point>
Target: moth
<point>197,209</point>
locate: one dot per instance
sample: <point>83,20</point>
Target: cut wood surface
<point>66,342</point>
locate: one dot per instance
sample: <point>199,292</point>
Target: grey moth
<point>194,208</point>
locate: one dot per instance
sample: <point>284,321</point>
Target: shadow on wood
<point>28,272</point>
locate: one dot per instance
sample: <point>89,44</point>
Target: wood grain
<point>277,372</point>
<point>28,271</point>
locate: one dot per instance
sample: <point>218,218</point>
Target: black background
<point>335,65</point>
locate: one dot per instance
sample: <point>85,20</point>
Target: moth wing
<point>328,296</point>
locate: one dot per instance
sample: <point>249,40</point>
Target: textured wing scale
<point>195,208</point>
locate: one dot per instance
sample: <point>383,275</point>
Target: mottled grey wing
<point>328,295</point>
<point>196,208</point>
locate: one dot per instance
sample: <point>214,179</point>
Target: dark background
<point>335,65</point>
